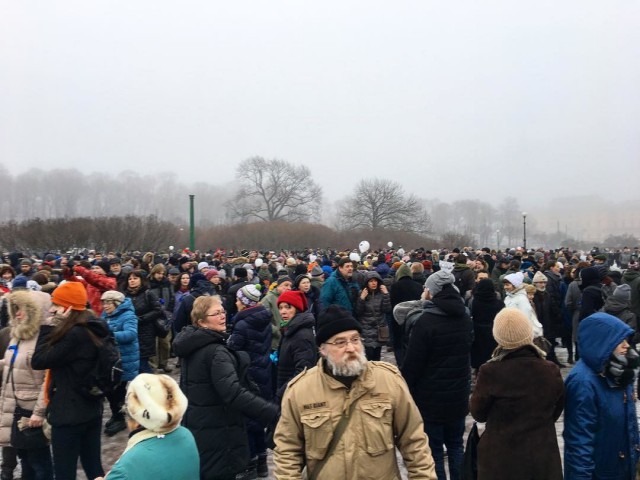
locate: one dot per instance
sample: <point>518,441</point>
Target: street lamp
<point>498,239</point>
<point>524,231</point>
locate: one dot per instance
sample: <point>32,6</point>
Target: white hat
<point>156,402</point>
<point>202,265</point>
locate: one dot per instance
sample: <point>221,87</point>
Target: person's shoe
<point>109,423</point>
<point>250,473</point>
<point>6,475</point>
<point>117,426</point>
<point>262,467</point>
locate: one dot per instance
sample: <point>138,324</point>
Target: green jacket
<point>173,456</point>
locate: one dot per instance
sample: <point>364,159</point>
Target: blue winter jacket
<point>600,426</point>
<point>338,291</point>
<point>123,323</point>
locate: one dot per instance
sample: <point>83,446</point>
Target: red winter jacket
<point>96,284</point>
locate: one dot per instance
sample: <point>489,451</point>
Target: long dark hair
<point>76,317</point>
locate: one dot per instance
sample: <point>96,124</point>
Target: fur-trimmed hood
<point>24,300</point>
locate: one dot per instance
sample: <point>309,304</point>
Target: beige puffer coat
<point>28,382</point>
<point>384,417</point>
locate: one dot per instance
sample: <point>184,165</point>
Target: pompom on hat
<point>249,295</point>
<point>512,329</point>
<point>70,295</point>
<point>156,402</point>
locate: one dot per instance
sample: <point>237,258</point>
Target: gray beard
<point>351,368</point>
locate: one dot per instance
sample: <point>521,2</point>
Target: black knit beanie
<point>335,319</point>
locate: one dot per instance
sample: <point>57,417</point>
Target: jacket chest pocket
<point>318,430</point>
<point>377,427</point>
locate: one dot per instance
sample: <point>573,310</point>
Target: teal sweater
<point>173,456</point>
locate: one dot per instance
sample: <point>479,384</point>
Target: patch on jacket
<point>313,406</point>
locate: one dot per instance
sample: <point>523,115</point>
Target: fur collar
<point>30,326</point>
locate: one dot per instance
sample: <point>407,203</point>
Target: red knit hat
<point>295,298</point>
<point>70,294</point>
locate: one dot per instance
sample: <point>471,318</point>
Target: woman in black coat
<point>297,349</point>
<point>69,349</point>
<point>214,379</point>
<point>149,313</point>
<point>484,307</point>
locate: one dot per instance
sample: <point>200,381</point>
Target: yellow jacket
<point>385,416</point>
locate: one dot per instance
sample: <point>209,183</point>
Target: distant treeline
<point>129,233</point>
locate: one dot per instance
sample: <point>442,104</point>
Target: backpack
<point>106,375</point>
<point>457,275</point>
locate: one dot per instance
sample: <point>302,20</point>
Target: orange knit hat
<point>70,294</point>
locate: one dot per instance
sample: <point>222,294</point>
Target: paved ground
<point>112,447</point>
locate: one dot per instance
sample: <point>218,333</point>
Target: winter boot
<point>262,467</point>
<point>250,473</point>
<point>116,426</point>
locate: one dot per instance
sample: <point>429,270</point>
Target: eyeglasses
<point>216,314</point>
<point>342,343</point>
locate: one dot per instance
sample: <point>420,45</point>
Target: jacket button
<point>621,455</point>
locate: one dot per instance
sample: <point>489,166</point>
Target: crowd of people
<point>281,350</point>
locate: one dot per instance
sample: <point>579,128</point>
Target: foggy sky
<point>452,99</point>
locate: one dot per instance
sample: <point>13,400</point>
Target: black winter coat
<point>436,366</point>
<point>164,291</point>
<point>484,307</point>
<point>252,334</point>
<point>148,310</point>
<point>549,314</point>
<point>297,349</point>
<point>214,379</point>
<point>70,360</point>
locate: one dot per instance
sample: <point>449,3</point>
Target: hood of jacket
<point>449,301</point>
<point>383,269</point>
<point>192,338</point>
<point>203,288</point>
<point>590,276</point>
<point>300,321</point>
<point>30,326</point>
<point>615,304</point>
<point>403,271</point>
<point>630,275</point>
<point>369,275</point>
<point>258,316</point>
<point>598,335</point>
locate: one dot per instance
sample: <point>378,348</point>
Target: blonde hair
<point>200,307</point>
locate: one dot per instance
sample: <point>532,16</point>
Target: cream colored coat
<point>384,417</point>
<point>28,382</point>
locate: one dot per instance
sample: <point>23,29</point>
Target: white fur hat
<point>156,402</point>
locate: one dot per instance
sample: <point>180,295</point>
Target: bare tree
<point>379,203</point>
<point>272,190</point>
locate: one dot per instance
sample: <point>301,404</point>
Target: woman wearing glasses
<point>297,349</point>
<point>214,379</point>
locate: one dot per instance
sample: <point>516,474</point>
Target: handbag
<point>23,437</point>
<point>383,333</point>
<point>470,459</point>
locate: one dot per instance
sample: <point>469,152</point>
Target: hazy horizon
<point>452,100</point>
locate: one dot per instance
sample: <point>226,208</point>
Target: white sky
<point>452,99</point>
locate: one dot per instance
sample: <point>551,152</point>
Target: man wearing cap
<point>437,368</point>
<point>344,417</point>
